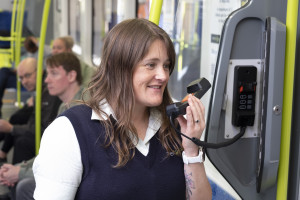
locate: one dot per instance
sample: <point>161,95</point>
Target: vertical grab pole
<point>13,30</point>
<point>283,170</point>
<point>39,78</point>
<point>19,31</point>
<point>155,11</point>
<point>17,38</point>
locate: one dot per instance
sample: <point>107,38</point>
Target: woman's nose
<point>162,74</point>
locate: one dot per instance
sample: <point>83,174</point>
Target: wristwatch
<point>196,159</point>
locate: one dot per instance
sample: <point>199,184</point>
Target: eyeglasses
<point>26,76</point>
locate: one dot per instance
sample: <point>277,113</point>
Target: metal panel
<point>230,130</point>
<point>272,109</point>
<point>243,37</point>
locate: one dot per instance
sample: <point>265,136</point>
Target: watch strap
<point>196,159</point>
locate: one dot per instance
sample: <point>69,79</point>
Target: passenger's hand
<point>193,125</point>
<point>34,40</point>
<point>10,174</point>
<point>30,101</point>
<point>2,170</point>
<point>5,126</point>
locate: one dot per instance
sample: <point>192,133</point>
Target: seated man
<point>63,80</point>
<point>24,135</point>
<point>8,75</point>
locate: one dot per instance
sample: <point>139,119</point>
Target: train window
<point>106,14</point>
<point>195,28</point>
<point>74,23</point>
<point>101,18</point>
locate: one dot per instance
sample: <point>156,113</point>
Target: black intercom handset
<point>198,87</point>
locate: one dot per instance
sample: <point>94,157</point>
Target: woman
<point>62,44</point>
<point>120,144</point>
<point>65,44</point>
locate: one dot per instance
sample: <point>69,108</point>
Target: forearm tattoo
<point>189,184</point>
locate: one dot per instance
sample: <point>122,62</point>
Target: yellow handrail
<point>39,80</point>
<point>291,26</point>
<point>5,51</point>
<point>19,31</point>
<point>155,11</point>
<point>6,38</point>
<point>13,29</point>
<point>9,53</point>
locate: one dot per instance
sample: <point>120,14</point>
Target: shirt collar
<point>155,120</point>
<point>154,124</point>
<point>106,108</point>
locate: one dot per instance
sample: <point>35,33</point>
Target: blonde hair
<point>68,40</point>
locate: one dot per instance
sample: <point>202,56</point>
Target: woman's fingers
<point>194,123</point>
<point>197,110</point>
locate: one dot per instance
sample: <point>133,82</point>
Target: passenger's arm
<point>5,126</point>
<point>26,169</point>
<point>197,185</point>
<point>58,168</point>
<point>22,129</point>
<point>28,126</point>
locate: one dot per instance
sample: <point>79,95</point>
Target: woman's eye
<point>167,66</point>
<point>150,65</point>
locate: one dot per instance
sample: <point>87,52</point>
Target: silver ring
<point>197,121</point>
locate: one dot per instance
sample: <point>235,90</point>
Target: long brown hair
<point>125,45</point>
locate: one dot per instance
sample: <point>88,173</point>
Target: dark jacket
<point>49,108</point>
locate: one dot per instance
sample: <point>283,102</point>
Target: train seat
<point>9,101</point>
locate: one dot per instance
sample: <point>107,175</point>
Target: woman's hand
<point>193,125</point>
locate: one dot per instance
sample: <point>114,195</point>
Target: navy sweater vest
<point>151,177</point>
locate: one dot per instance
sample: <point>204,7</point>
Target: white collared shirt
<point>58,168</point>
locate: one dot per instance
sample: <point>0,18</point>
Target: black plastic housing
<point>199,87</point>
<point>244,89</point>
